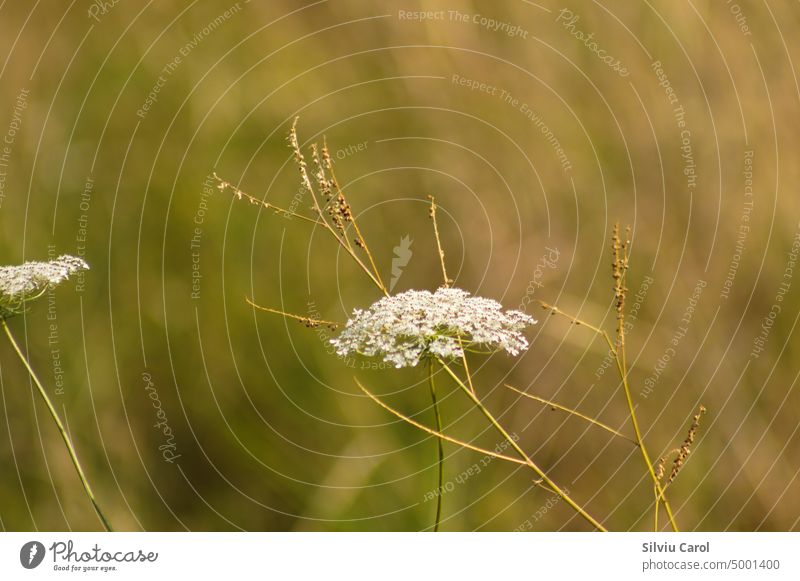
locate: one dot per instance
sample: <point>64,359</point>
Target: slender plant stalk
<point>618,353</point>
<point>362,240</point>
<point>447,280</point>
<point>64,436</point>
<point>575,506</point>
<point>239,194</point>
<point>374,275</point>
<point>307,320</point>
<point>466,365</point>
<point>433,432</point>
<point>655,513</point>
<point>320,221</point>
<point>581,323</point>
<point>440,463</point>
<point>375,270</point>
<point>469,389</point>
<point>576,413</point>
<point>640,442</point>
<point>345,243</point>
<point>349,249</point>
<point>620,250</point>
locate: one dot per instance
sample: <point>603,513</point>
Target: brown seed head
<point>685,449</point>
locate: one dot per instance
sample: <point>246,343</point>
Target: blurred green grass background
<point>271,430</point>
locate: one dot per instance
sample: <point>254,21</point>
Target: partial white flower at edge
<point>29,280</point>
<point>408,326</point>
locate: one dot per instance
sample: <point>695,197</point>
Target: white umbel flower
<point>31,279</point>
<point>409,326</point>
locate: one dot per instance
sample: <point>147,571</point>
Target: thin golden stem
<point>620,250</point>
<point>320,221</point>
<point>239,194</point>
<point>361,239</point>
<point>645,455</point>
<point>334,208</point>
<point>308,321</point>
<point>447,280</point>
<point>363,267</point>
<point>580,322</point>
<point>547,480</point>
<point>343,241</point>
<point>552,404</point>
<point>655,512</point>
<point>433,432</point>
<point>466,365</point>
<point>618,353</point>
<point>61,430</point>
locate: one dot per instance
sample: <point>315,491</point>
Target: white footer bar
<point>401,556</point>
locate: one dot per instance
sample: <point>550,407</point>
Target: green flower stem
<point>645,456</point>
<point>618,352</point>
<point>546,479</point>
<point>60,426</point>
<point>440,445</point>
<point>655,517</point>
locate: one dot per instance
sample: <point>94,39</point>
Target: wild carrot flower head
<point>409,326</point>
<point>30,280</point>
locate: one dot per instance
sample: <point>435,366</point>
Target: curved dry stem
<point>645,455</point>
<point>535,467</point>
<point>239,194</point>
<point>307,321</point>
<point>640,441</point>
<point>64,435</point>
<point>343,241</point>
<point>576,413</point>
<point>447,280</point>
<point>319,221</point>
<point>376,281</point>
<point>361,240</point>
<point>466,365</point>
<point>433,432</point>
<point>618,354</point>
<point>578,322</point>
